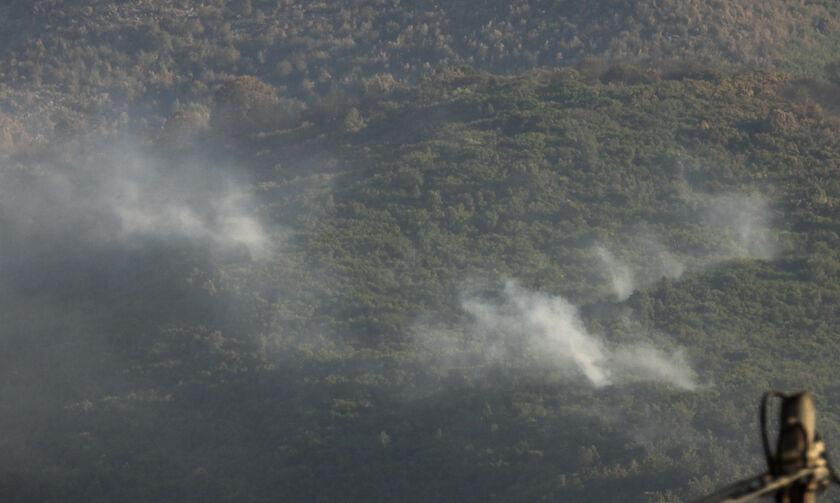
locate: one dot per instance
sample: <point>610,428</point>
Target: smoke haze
<point>95,254</point>
<point>743,220</point>
<point>549,331</point>
<point>737,226</point>
<point>618,273</point>
<point>124,198</point>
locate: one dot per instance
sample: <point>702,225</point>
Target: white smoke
<point>657,262</point>
<point>126,198</point>
<point>743,221</point>
<point>735,226</point>
<point>147,206</point>
<point>619,274</point>
<point>662,262</point>
<point>548,330</point>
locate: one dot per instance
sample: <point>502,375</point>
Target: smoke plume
<point>655,262</point>
<point>621,278</point>
<point>549,331</point>
<point>97,246</point>
<point>733,225</point>
<point>743,222</point>
<point>125,198</point>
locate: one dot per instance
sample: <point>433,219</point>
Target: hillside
<point>89,64</point>
<point>339,326</point>
<point>501,277</point>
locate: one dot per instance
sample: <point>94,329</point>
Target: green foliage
<point>138,58</point>
<point>328,377</point>
<point>314,375</point>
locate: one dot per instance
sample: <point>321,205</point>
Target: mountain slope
<point>138,62</point>
<point>373,352</point>
<point>261,251</point>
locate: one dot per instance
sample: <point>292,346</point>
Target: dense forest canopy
<point>411,251</point>
<point>105,65</point>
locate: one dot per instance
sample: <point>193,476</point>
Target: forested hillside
<point>262,251</point>
<point>84,64</point>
